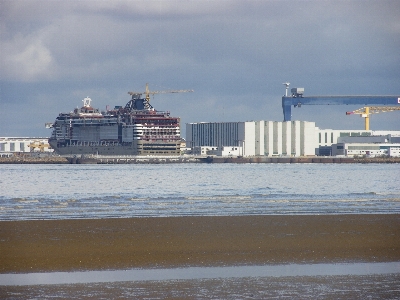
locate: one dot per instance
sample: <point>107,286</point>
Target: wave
<point>213,204</point>
<point>391,193</point>
<point>277,195</point>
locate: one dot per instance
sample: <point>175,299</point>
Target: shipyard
<point>138,129</point>
<point>199,149</point>
<point>138,133</point>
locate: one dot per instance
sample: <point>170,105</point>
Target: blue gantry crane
<point>297,99</point>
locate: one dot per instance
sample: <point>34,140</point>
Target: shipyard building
<point>23,145</point>
<point>268,138</point>
<point>290,138</point>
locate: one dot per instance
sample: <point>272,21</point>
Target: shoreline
<point>194,159</point>
<point>106,244</point>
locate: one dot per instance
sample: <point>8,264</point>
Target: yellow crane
<point>147,92</point>
<point>366,111</point>
<point>39,145</point>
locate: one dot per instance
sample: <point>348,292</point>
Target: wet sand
<point>100,244</point>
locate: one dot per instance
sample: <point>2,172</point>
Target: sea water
<point>116,191</point>
<point>343,269</point>
<point>133,190</point>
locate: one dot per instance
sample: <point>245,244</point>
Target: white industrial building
<point>366,149</point>
<point>291,138</point>
<point>268,138</point>
<point>357,142</point>
<point>217,151</point>
<point>327,137</point>
<point>11,145</point>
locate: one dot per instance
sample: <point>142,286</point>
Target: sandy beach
<point>100,244</point>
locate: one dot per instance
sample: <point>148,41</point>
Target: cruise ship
<point>136,129</point>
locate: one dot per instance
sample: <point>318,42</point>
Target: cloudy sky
<point>235,55</point>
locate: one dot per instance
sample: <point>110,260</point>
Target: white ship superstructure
<point>136,129</point>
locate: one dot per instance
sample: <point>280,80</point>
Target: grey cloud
<point>234,54</point>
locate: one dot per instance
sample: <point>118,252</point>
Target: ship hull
<point>86,150</point>
<point>109,150</point>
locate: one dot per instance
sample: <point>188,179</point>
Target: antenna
<point>287,87</point>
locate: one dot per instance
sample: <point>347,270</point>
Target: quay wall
<point>190,159</point>
<point>33,160</point>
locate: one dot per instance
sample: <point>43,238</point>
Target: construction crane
<point>365,112</point>
<point>39,145</point>
<point>147,92</point>
<point>297,99</point>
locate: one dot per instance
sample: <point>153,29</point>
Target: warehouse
<point>11,145</point>
<point>366,149</point>
<point>266,138</point>
<point>291,138</point>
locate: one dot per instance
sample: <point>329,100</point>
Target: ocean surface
<point>114,191</point>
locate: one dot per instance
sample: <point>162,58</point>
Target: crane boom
<point>365,112</point>
<point>147,92</point>
<point>297,98</point>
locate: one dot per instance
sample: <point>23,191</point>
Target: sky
<point>235,55</point>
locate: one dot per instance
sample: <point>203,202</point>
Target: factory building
<point>213,134</point>
<point>337,142</point>
<point>327,137</point>
<point>269,138</point>
<point>15,145</point>
<point>371,146</point>
<point>366,149</point>
<point>217,151</point>
<point>290,138</point>
<point>266,138</point>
